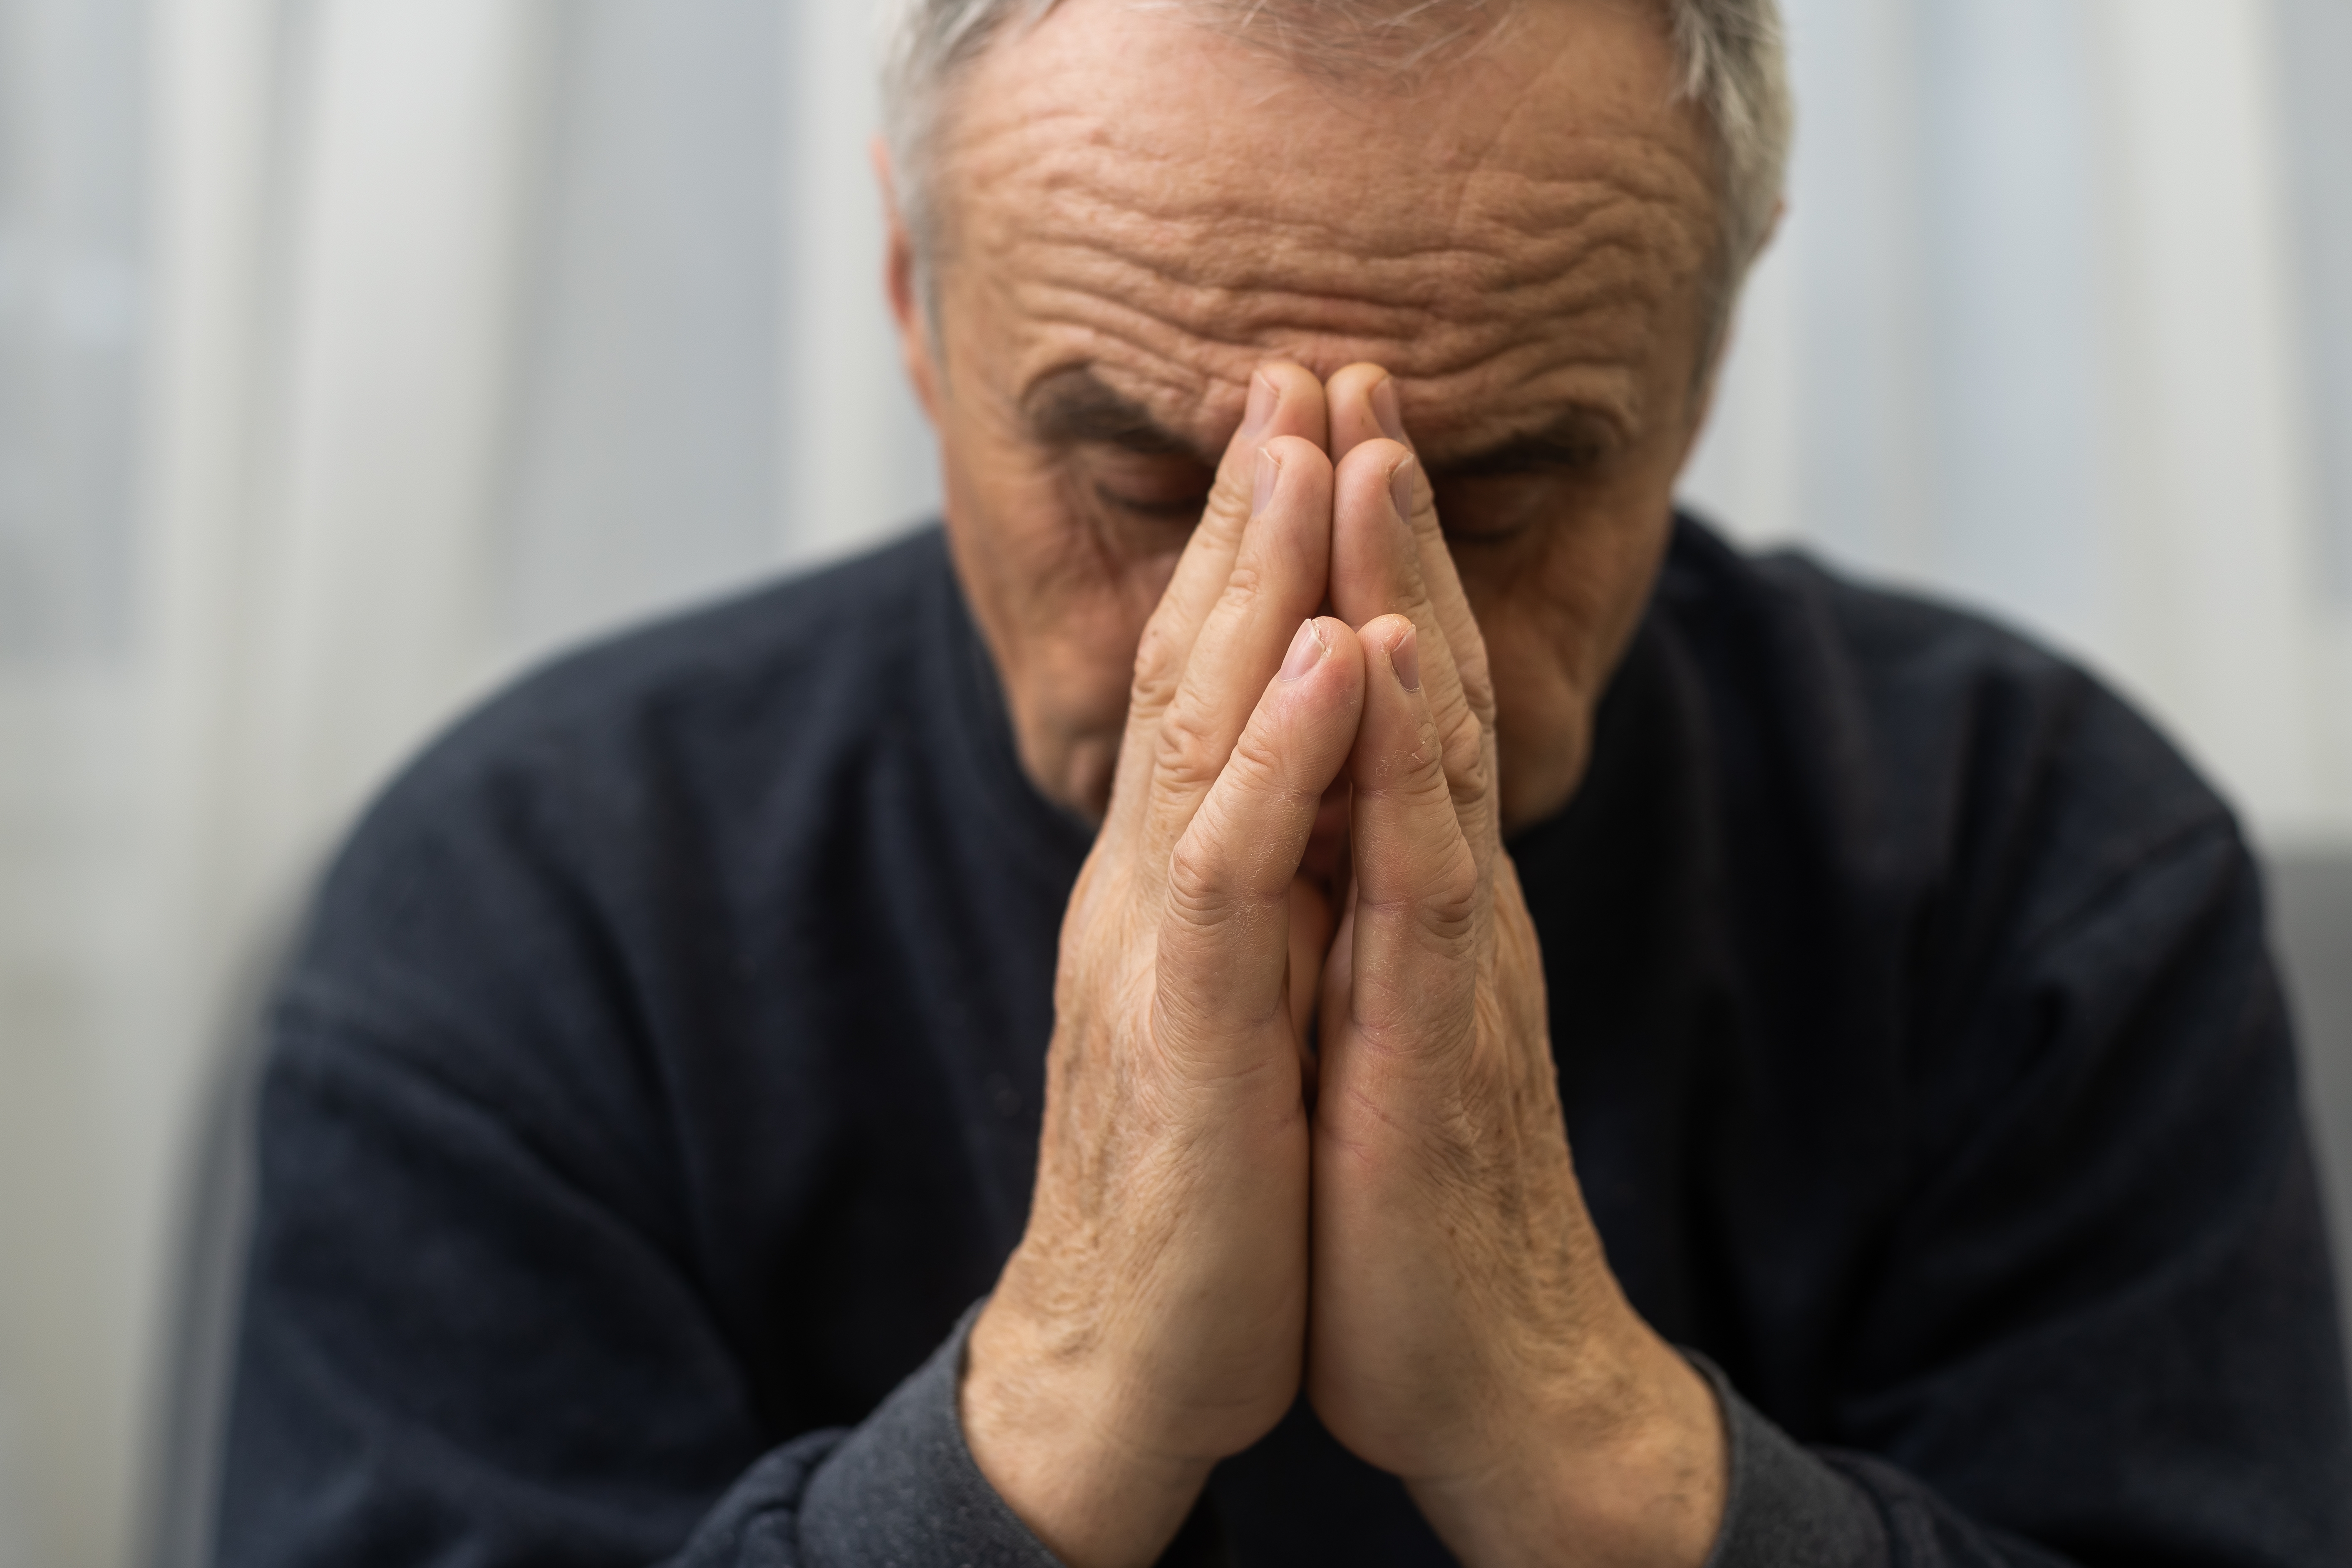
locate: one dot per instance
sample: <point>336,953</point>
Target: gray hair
<point>1730,57</point>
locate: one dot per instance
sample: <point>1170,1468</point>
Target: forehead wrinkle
<point>1194,385</point>
<point>1505,153</point>
<point>1345,289</point>
<point>1229,340</point>
<point>1170,164</point>
<point>1178,377</point>
<point>1220,244</point>
<point>1538,251</point>
<point>1607,302</point>
<point>1466,404</point>
<point>1489,217</point>
<point>1239,317</point>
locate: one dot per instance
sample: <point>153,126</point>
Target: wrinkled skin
<point>1308,448</point>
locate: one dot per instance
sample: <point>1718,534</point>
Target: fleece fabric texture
<point>658,1087</point>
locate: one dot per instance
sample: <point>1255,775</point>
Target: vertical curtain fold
<point>342,188</point>
<point>2035,335</point>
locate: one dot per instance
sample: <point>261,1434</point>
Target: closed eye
<point>1525,483</point>
<point>1186,508</point>
<point>1159,488</point>
<point>1540,454</point>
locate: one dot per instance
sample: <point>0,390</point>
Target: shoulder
<point>1925,743</point>
<point>806,654</point>
<point>613,811</point>
<point>1973,844</point>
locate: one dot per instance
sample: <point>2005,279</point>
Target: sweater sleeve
<point>1790,1507</point>
<point>901,1489</point>
<point>455,1349</point>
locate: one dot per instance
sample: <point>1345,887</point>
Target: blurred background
<point>356,352</point>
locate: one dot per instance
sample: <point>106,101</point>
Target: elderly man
<point>1320,980</point>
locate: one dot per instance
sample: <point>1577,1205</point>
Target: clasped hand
<point>1386,1213</point>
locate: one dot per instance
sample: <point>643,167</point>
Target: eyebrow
<point>1073,408</point>
<point>1573,439</point>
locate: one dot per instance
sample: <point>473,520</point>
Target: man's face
<point>1134,211</point>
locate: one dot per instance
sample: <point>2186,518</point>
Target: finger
<point>1364,404</point>
<point>1285,399</point>
<point>1419,905</point>
<point>1222,995</point>
<point>1377,568</point>
<point>1277,579</point>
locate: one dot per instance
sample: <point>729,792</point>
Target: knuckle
<point>1418,769</point>
<point>1434,893</point>
<point>1443,907</point>
<point>1243,584</point>
<point>1463,747</point>
<point>1198,890</point>
<point>1230,493</point>
<point>1448,909</point>
<point>1477,679</point>
<point>1187,754</point>
<point>1259,765</point>
<point>1159,662</point>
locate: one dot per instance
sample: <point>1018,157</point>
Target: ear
<point>903,285</point>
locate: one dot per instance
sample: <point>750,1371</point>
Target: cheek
<point>1557,610</point>
<point>1061,609</point>
<point>1555,629</point>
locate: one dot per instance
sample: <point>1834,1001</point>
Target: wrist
<point>1049,1426</point>
<point>1625,1467</point>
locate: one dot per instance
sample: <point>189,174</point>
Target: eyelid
<point>1125,439</point>
<point>1148,486</point>
<point>1163,465</point>
<point>1547,459</point>
<point>1578,440</point>
<point>1137,444</point>
<point>1187,506</point>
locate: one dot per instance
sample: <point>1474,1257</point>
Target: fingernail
<point>1263,397</point>
<point>1269,469</point>
<point>1306,651</point>
<point>1384,409</point>
<point>1400,489</point>
<point>1404,657</point>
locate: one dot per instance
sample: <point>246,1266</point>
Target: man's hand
<point>1153,1319</point>
<point>1466,1333</point>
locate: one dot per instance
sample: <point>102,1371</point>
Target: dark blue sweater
<point>658,1087</point>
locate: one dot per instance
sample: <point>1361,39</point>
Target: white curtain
<point>2057,325</point>
<point>354,352</point>
<point>465,327</point>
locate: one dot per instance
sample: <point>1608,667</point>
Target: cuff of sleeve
<point>1783,1505</point>
<point>903,1489</point>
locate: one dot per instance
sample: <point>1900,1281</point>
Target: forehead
<point>1143,195</point>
